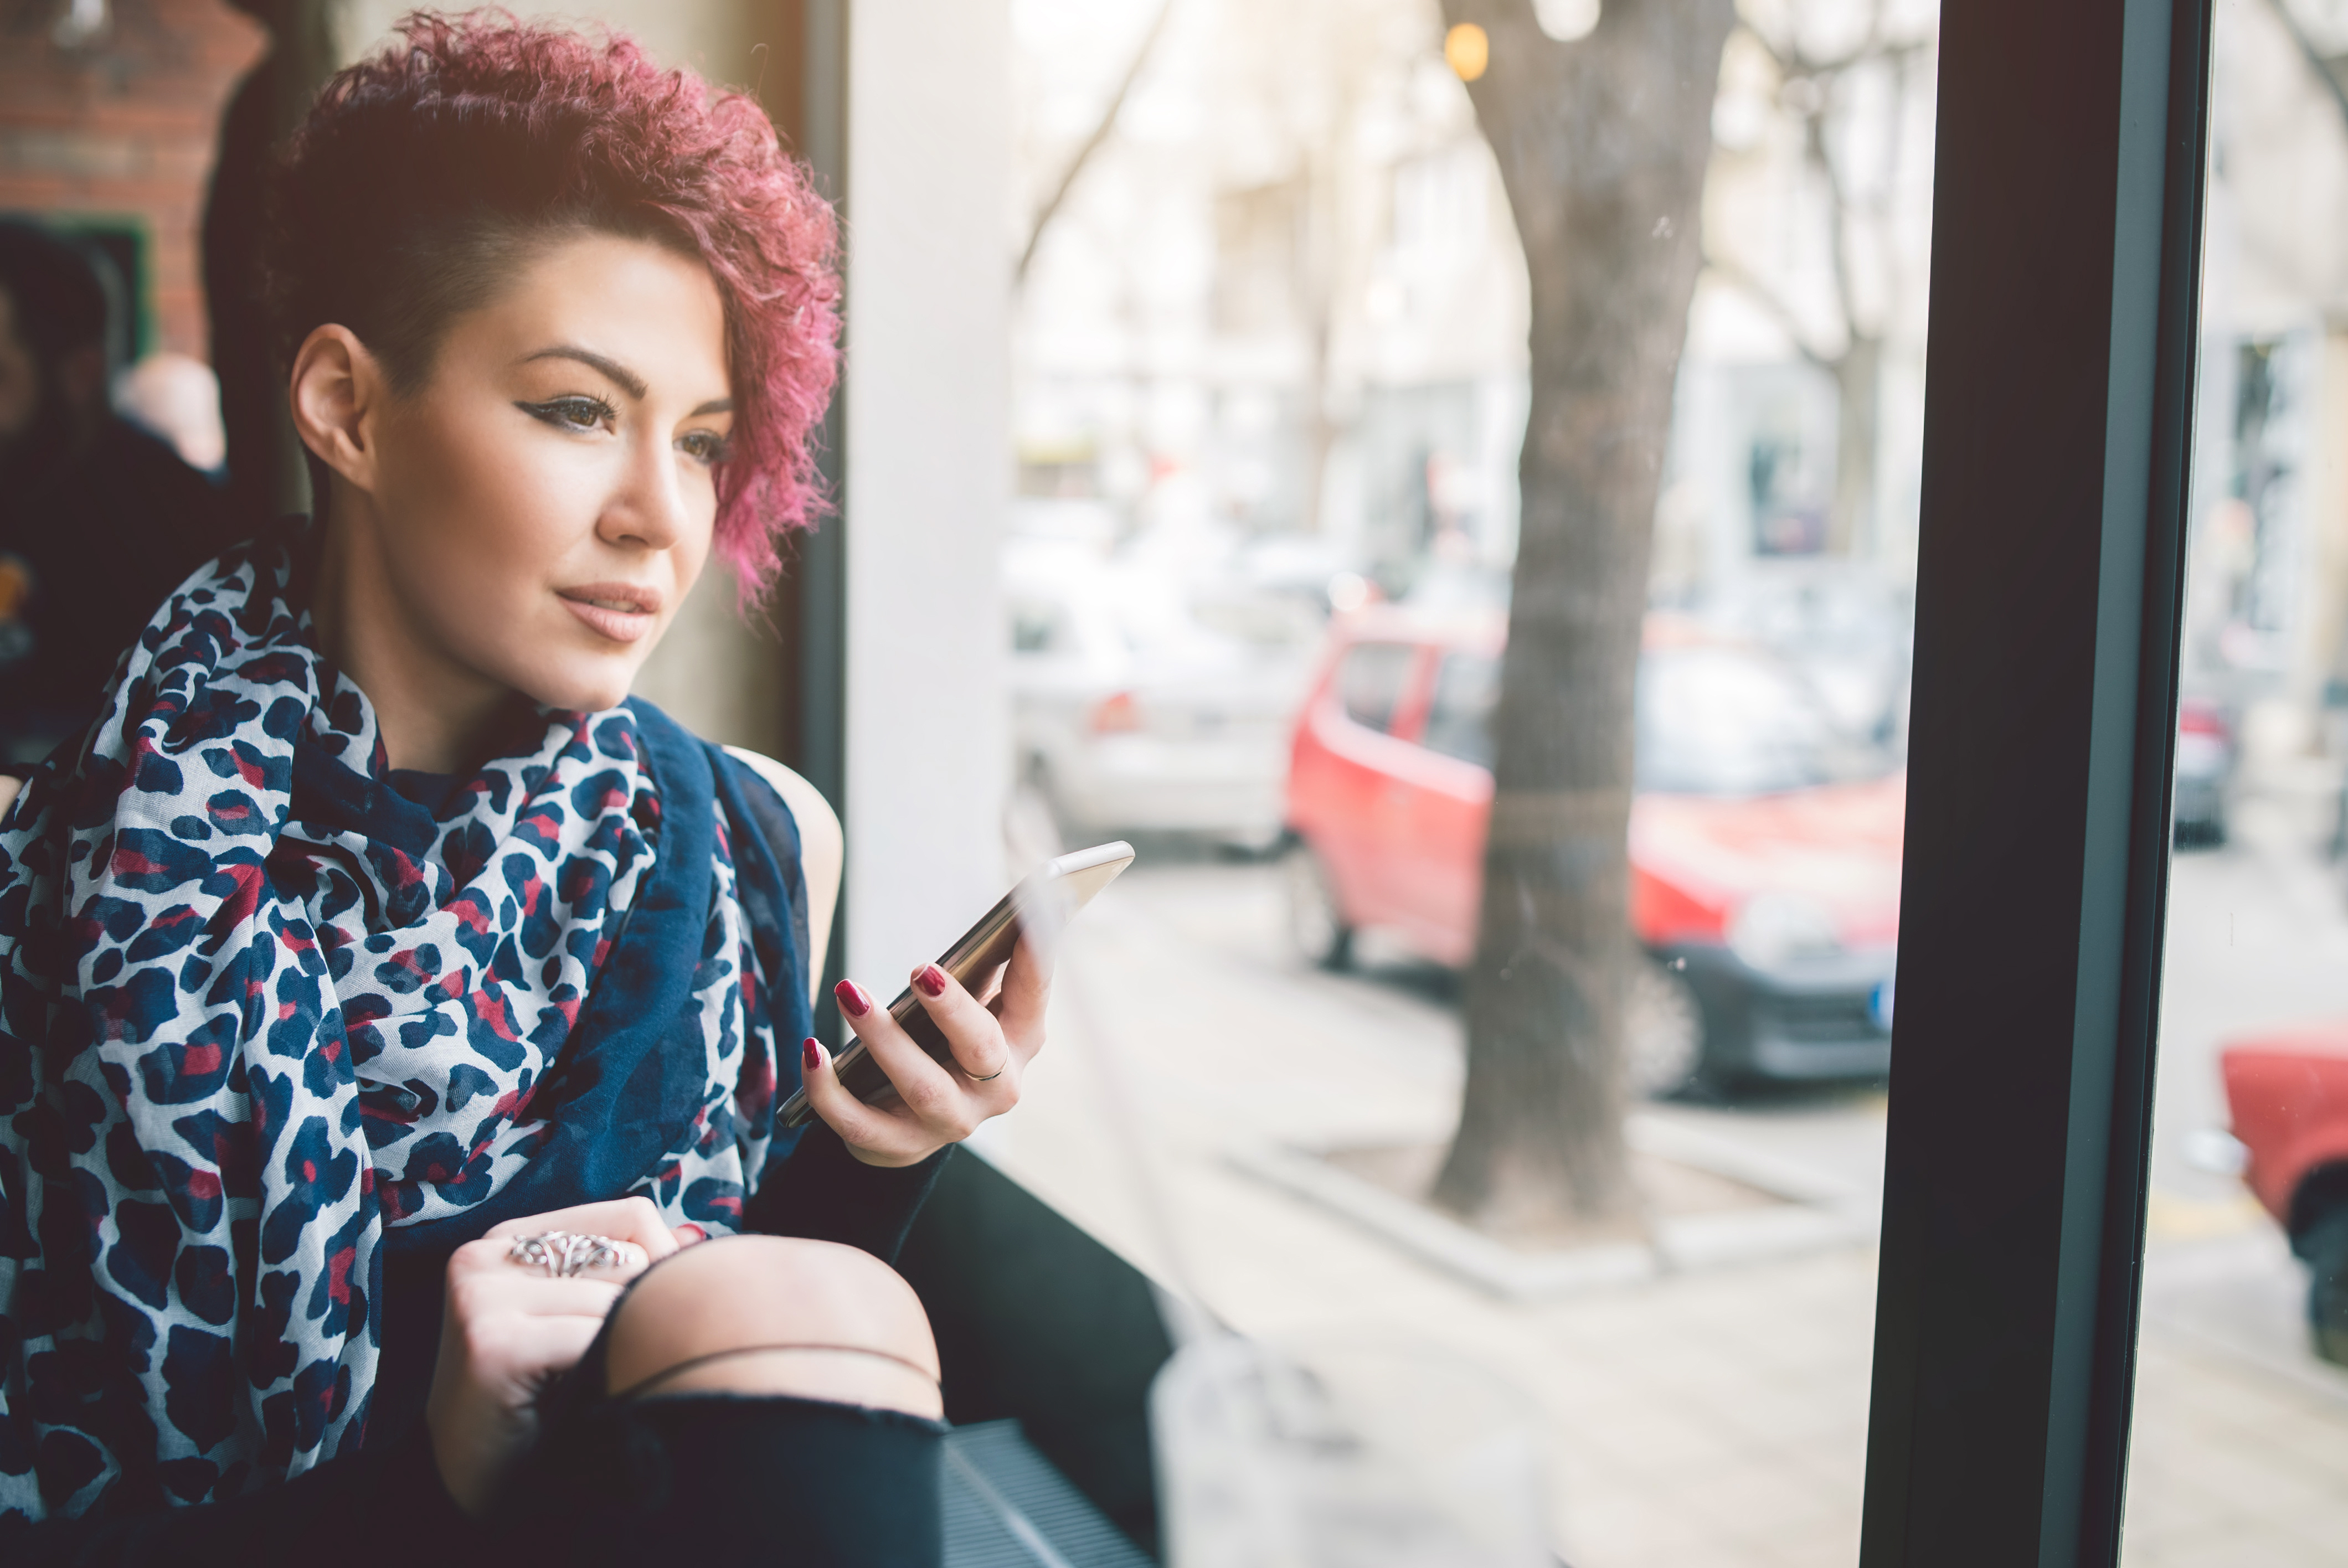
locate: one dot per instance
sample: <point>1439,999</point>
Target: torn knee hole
<point>653,1384</point>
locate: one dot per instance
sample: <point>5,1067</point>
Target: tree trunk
<point>1602,145</point>
<point>1859,389</point>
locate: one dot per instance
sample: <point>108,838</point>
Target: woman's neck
<point>433,714</point>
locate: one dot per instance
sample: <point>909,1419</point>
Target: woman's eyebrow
<point>627,380</point>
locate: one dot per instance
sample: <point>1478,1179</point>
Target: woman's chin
<point>582,690</point>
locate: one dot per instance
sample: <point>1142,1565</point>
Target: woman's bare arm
<point>9,787</point>
<point>822,851</point>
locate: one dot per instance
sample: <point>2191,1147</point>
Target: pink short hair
<point>424,173</point>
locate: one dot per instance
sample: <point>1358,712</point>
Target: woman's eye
<point>573,413</point>
<point>703,446</point>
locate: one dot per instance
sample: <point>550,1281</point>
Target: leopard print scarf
<point>258,1011</point>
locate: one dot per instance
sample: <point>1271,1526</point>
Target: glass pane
<point>1459,716</point>
<point>1371,682</point>
<point>2240,1437</point>
<point>1277,353</point>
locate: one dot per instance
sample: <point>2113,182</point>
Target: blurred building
<point>108,115</point>
<point>1286,274</point>
<point>1285,277</point>
<point>2269,553</point>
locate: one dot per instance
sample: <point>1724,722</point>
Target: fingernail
<point>811,1054</point>
<point>931,979</point>
<point>852,1000</point>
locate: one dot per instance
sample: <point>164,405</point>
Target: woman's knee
<point>775,1314</point>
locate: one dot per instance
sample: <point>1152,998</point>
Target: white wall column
<point>927,473</point>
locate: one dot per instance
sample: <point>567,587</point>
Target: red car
<point>1764,848</point>
<point>2288,1092</point>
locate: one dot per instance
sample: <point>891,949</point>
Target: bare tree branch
<point>1792,61</point>
<point>1814,142</point>
<point>1092,143</point>
<point>2313,55</point>
<point>1823,75</point>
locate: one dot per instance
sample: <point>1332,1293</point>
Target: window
<point>1459,717</point>
<point>1034,627</point>
<point>1285,313</point>
<point>2241,1386</point>
<point>1705,1372</point>
<point>1371,682</point>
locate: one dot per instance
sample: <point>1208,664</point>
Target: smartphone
<point>1044,902</point>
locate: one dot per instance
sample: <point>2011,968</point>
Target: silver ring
<point>565,1254</point>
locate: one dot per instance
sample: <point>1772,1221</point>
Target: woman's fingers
<point>928,1090</point>
<point>545,1348</point>
<point>1026,992</point>
<point>987,1043</point>
<point>494,1297</point>
<point>631,1220</point>
<point>878,1136</point>
<point>510,1326</point>
<point>972,1032</point>
<point>489,1281</point>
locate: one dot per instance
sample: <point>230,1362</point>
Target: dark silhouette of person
<point>264,458</point>
<point>99,520</point>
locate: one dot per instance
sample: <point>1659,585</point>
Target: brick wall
<point>123,127</point>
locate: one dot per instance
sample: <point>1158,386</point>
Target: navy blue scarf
<point>265,1022</point>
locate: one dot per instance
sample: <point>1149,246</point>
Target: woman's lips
<point>621,611</point>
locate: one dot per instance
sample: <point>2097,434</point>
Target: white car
<point>1131,715</point>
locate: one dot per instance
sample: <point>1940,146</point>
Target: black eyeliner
<point>551,410</point>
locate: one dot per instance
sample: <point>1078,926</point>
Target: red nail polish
<point>852,1000</point>
<point>931,979</point>
<point>811,1054</point>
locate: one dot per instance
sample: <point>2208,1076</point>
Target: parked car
<point>1765,846</point>
<point>1843,628</point>
<point>2205,764</point>
<point>1130,714</point>
<point>2288,1092</point>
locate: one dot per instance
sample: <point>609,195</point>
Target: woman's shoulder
<point>814,822</point>
<point>822,846</point>
<point>818,825</point>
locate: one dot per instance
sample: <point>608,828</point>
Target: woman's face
<point>544,502</point>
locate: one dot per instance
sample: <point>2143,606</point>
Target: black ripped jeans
<point>711,1480</point>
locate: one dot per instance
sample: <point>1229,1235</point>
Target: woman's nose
<point>649,508</point>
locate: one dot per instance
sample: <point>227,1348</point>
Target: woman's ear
<point>337,389</point>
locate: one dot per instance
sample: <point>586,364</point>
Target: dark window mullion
<point>2065,267</point>
<point>2110,1393</point>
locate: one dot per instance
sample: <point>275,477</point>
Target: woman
<point>384,997</point>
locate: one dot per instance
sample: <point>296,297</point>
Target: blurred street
<point>2240,1448</point>
<point>1714,1416</point>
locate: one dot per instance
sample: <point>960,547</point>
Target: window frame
<point>2067,205</point>
<point>2065,275</point>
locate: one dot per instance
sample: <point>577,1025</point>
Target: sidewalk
<point>1708,1417</point>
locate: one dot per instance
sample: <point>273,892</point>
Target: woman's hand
<point>936,1104</point>
<point>509,1329</point>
